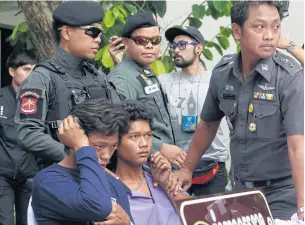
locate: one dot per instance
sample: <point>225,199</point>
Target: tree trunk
<point>38,16</point>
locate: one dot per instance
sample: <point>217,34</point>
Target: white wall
<point>178,10</point>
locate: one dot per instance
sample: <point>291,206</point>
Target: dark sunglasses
<point>140,40</point>
<point>181,44</point>
<point>93,32</point>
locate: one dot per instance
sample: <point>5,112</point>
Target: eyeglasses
<point>181,44</point>
<point>93,32</point>
<point>141,40</point>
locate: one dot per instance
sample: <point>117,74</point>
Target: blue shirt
<point>64,196</point>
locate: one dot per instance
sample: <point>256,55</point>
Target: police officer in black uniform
<point>17,166</point>
<point>47,96</point>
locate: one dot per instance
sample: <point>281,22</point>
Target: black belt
<point>262,183</point>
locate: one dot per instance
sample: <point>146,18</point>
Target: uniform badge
<point>189,123</point>
<point>252,127</point>
<point>250,108</point>
<point>265,87</point>
<point>269,97</point>
<point>264,67</point>
<point>29,100</point>
<point>147,72</point>
<point>28,106</point>
<point>229,87</point>
<point>1,112</point>
<point>256,95</point>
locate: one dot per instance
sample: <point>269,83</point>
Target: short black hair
<point>99,115</point>
<point>56,31</point>
<point>20,58</point>
<point>135,111</point>
<point>240,10</point>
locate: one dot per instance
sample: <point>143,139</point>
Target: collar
<point>145,70</point>
<point>264,67</point>
<point>12,90</point>
<point>70,63</point>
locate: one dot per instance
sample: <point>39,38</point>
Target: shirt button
<point>242,165</point>
<point>245,91</point>
<point>241,142</point>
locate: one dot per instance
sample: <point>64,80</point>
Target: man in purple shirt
<point>150,205</point>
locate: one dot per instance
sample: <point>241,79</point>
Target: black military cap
<point>139,20</point>
<point>190,31</point>
<point>78,13</point>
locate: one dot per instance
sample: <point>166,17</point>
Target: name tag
<point>189,123</point>
<point>151,89</point>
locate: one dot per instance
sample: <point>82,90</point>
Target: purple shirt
<point>155,210</point>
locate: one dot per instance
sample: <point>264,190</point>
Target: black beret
<point>78,13</point>
<point>190,31</point>
<point>139,20</point>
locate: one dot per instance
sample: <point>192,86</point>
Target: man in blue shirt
<point>77,190</point>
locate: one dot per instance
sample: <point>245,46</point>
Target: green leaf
<point>195,22</point>
<point>208,12</point>
<point>225,31</point>
<point>158,67</point>
<point>13,35</point>
<point>116,12</point>
<point>218,48</point>
<point>160,7</point>
<point>131,8</point>
<point>208,54</point>
<point>220,5</point>
<point>214,12</point>
<point>168,63</point>
<point>107,60</point>
<point>122,18</point>
<point>109,20</point>
<point>208,44</point>
<point>198,11</point>
<point>224,42</point>
<point>22,27</point>
<point>238,47</point>
<point>203,63</point>
<point>227,11</point>
<point>122,10</point>
<point>99,54</point>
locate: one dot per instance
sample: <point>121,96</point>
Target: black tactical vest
<point>69,91</point>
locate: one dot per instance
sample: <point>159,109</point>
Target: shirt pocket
<point>267,119</point>
<point>154,103</point>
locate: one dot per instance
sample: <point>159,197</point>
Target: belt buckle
<point>249,184</point>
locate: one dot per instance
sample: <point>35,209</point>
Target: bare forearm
<point>201,141</point>
<point>296,155</point>
<point>297,166</point>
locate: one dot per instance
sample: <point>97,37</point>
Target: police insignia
<point>28,105</point>
<point>31,103</point>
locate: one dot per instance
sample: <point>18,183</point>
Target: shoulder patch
<point>287,63</point>
<point>227,59</point>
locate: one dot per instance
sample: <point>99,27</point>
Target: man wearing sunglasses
<point>56,85</point>
<point>134,79</point>
<point>186,91</point>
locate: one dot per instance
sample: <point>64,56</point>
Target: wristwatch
<point>291,46</point>
<point>300,210</point>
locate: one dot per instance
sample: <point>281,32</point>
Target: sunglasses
<point>140,40</point>
<point>181,44</point>
<point>93,32</point>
